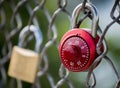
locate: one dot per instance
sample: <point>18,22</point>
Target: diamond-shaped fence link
<point>16,15</point>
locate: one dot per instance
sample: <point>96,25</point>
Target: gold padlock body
<point>23,64</point>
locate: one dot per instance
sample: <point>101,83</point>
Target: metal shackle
<point>95,17</point>
<point>36,32</point>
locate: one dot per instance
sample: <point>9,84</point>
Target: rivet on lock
<point>24,62</point>
<point>78,46</point>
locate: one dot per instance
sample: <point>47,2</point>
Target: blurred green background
<point>104,73</point>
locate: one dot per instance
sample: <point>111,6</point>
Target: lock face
<point>23,64</point>
<point>77,50</point>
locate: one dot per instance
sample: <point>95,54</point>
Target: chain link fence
<point>29,23</point>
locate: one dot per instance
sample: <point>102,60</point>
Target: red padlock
<point>77,50</point>
<point>78,46</point>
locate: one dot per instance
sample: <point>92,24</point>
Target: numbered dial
<point>76,52</point>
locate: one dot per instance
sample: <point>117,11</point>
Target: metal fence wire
<point>14,31</point>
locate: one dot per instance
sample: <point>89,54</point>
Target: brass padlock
<point>24,62</point>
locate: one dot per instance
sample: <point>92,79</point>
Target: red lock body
<point>77,50</point>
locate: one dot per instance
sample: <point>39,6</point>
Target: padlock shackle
<point>95,17</point>
<point>37,34</point>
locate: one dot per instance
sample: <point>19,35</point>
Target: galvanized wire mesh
<point>12,22</point>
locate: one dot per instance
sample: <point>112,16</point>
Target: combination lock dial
<point>77,50</point>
